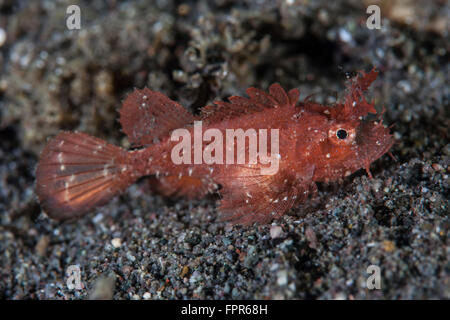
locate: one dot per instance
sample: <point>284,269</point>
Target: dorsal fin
<point>258,101</point>
<point>354,105</point>
<point>147,115</point>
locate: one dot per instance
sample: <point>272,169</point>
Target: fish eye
<point>341,134</point>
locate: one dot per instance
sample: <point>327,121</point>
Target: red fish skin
<point>303,150</point>
<point>316,143</point>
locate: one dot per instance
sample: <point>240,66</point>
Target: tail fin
<point>77,172</point>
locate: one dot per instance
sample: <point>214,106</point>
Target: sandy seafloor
<point>144,246</point>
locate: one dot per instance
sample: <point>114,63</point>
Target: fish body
<point>297,144</point>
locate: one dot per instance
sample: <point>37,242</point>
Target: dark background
<point>195,52</point>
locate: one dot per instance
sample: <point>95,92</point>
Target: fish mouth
<point>373,140</point>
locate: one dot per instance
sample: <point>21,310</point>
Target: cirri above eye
<point>341,134</point>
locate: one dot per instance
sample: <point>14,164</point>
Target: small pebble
<point>344,35</point>
<point>131,257</point>
<point>41,246</point>
<point>2,37</point>
<point>184,271</point>
<point>275,232</point>
<point>282,277</point>
<point>147,296</point>
<point>116,242</point>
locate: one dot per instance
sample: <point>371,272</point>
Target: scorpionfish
<point>316,143</point>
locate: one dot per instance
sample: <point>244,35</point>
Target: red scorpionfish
<point>316,143</point>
